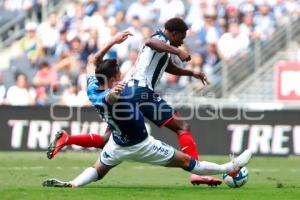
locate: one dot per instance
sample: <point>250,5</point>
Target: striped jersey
<point>151,64</point>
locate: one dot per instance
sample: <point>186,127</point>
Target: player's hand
<point>118,88</point>
<point>114,93</point>
<point>184,56</point>
<point>121,37</point>
<point>202,77</point>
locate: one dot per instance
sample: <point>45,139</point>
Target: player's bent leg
<point>91,174</point>
<point>62,139</point>
<point>240,161</point>
<point>188,146</point>
<point>208,168</point>
<point>57,144</point>
<point>184,135</point>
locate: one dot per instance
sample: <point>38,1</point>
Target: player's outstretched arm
<point>161,46</point>
<point>178,71</point>
<point>98,57</point>
<point>116,39</point>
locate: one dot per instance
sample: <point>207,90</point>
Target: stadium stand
<point>228,40</point>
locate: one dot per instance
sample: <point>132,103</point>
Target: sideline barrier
<point>217,132</point>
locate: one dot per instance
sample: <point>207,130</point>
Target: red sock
<point>187,144</point>
<point>86,140</point>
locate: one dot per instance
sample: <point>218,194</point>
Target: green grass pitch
<point>21,175</point>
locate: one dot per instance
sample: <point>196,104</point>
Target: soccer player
<point>153,60</point>
<point>129,139</point>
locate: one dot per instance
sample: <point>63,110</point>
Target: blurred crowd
<point>55,51</point>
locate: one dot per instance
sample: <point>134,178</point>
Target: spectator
<point>71,61</point>
<point>127,66</point>
<point>112,7</point>
<point>168,9</point>
<point>2,89</point>
<point>90,7</point>
<point>17,5</point>
<point>281,12</point>
<point>232,42</point>
<point>119,20</point>
<point>142,9</point>
<point>232,14</point>
<point>221,6</point>
<point>91,46</point>
<point>248,6</point>
<point>63,45</point>
<point>210,31</point>
<point>211,58</point>
<point>30,44</point>
<point>73,20</point>
<point>146,33</point>
<point>248,27</point>
<point>265,22</point>
<point>21,94</point>
<point>83,99</point>
<point>45,80</point>
<point>69,96</point>
<point>49,32</point>
<point>195,15</point>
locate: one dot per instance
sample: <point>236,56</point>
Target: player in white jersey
<point>153,61</point>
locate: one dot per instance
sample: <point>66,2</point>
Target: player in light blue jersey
<point>129,139</point>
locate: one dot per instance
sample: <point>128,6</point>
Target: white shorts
<point>149,151</point>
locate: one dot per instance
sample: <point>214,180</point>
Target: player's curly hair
<point>176,24</point>
<point>106,69</point>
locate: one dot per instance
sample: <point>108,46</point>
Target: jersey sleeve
<point>96,96</point>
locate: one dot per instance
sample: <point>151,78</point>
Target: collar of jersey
<point>160,32</point>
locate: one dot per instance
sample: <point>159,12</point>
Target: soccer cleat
<point>56,183</point>
<point>207,180</point>
<point>57,144</point>
<point>240,161</point>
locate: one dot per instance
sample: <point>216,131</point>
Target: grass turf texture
<point>21,175</point>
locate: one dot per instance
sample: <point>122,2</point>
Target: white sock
<point>209,168</point>
<point>87,176</point>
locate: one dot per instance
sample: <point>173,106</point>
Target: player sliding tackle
<point>129,139</point>
<point>153,61</point>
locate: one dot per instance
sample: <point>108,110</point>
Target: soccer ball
<point>238,181</point>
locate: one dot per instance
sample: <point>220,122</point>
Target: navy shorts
<point>152,106</point>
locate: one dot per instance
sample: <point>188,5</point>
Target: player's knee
<point>186,162</point>
<point>183,127</point>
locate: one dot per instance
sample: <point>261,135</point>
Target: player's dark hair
<point>176,24</point>
<point>106,69</point>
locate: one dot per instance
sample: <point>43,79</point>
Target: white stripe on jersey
<point>151,64</point>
